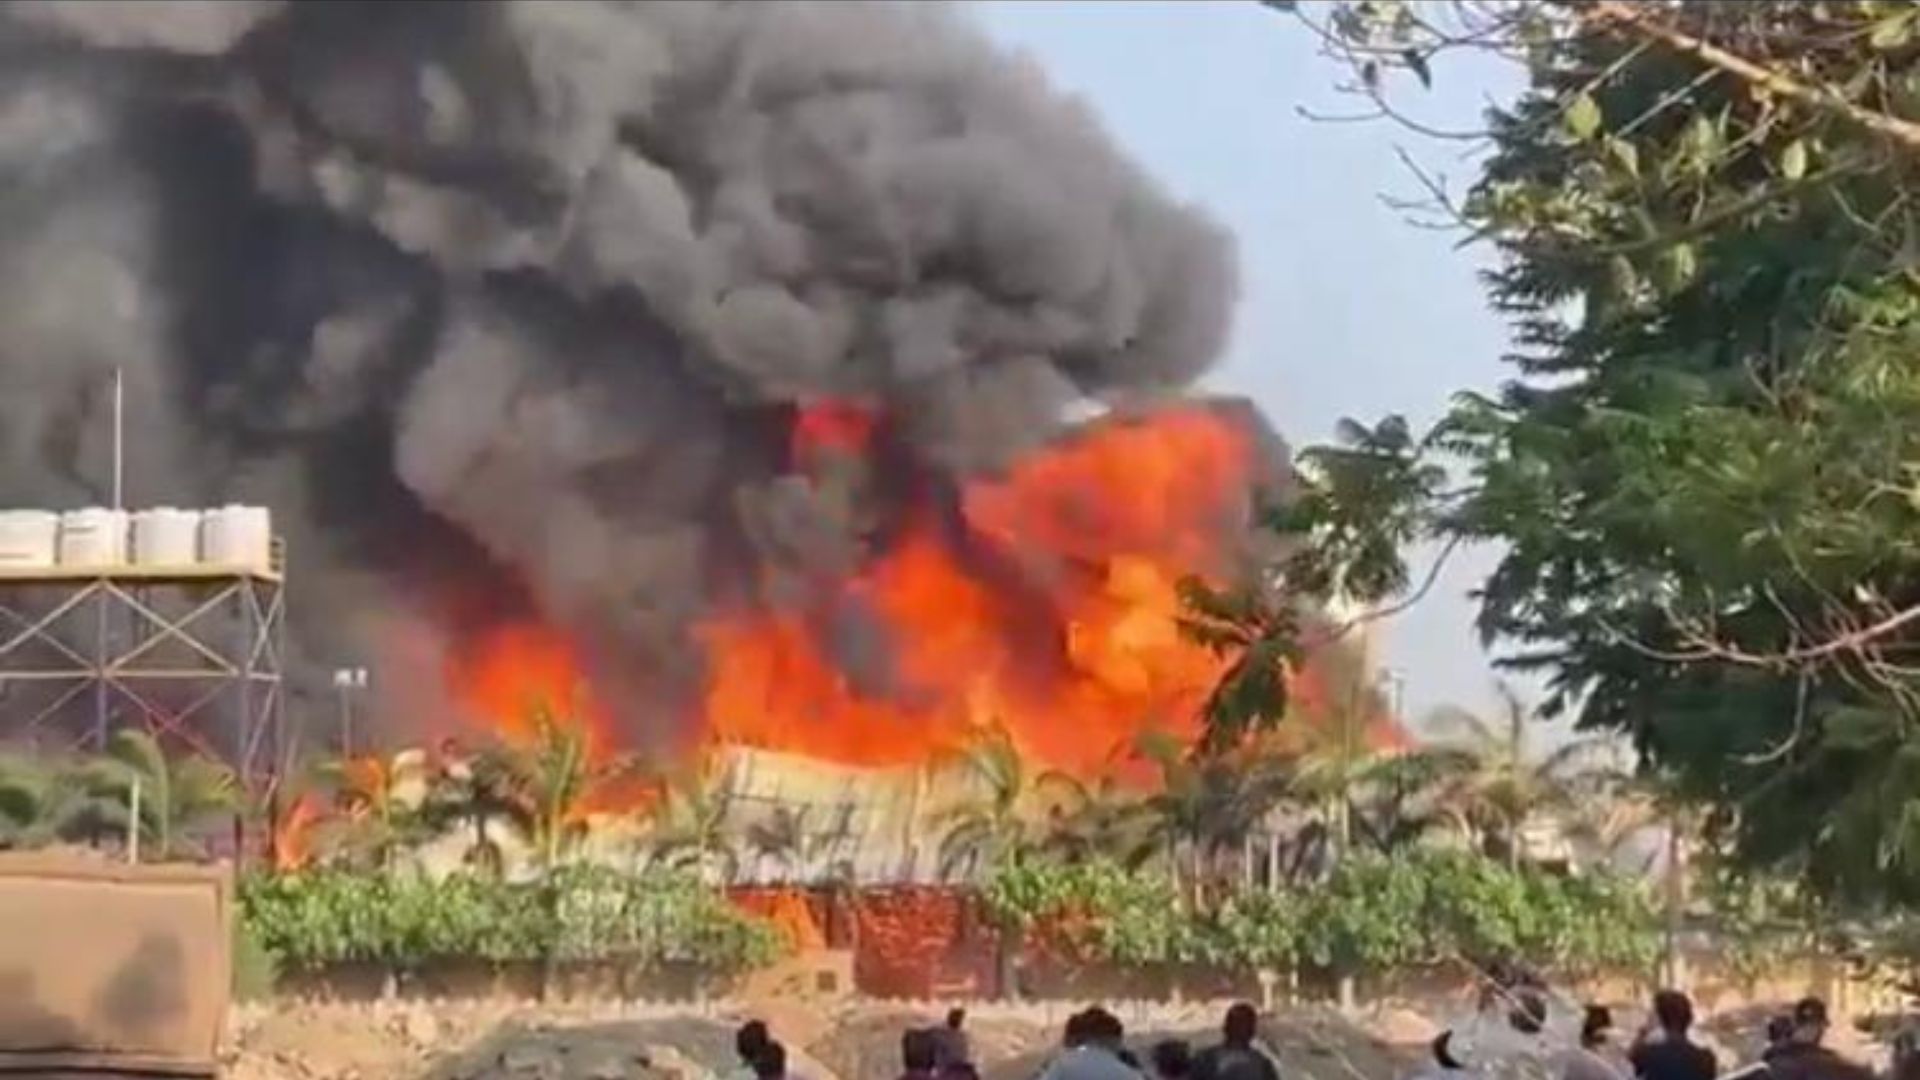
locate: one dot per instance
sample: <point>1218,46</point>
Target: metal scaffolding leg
<point>195,659</point>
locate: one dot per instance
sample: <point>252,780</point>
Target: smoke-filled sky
<point>540,287</point>
<point>1346,309</point>
<point>523,292</point>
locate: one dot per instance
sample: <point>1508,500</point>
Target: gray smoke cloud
<point>534,286</point>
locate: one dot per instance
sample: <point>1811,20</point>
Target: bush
<point>255,967</point>
<point>318,918</point>
<point>1372,913</point>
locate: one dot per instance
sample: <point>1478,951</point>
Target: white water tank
<point>29,539</point>
<point>93,537</point>
<point>165,536</point>
<point>240,537</point>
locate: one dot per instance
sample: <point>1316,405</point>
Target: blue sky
<point>1346,309</point>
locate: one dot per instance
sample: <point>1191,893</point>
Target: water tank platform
<point>130,572</point>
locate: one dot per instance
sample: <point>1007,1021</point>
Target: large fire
<point>1050,608</point>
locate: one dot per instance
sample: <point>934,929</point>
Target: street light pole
<point>1396,681</point>
<point>346,682</point>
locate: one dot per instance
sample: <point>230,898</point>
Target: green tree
<point>1498,783</point>
<point>471,794</point>
<point>39,803</point>
<point>1002,815</point>
<point>548,782</point>
<point>693,828</point>
<point>176,797</point>
<point>378,807</point>
<point>1100,819</point>
<point>1207,806</point>
<point>1703,468</point>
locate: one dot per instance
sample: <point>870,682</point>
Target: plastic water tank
<point>239,537</point>
<point>29,539</point>
<point>165,536</point>
<point>93,537</point>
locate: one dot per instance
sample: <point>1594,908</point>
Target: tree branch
<point>1643,20</point>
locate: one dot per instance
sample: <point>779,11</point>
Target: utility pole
<point>119,439</point>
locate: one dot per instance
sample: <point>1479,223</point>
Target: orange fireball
<point>1050,607</point>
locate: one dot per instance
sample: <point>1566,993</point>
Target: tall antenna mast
<point>119,440</point>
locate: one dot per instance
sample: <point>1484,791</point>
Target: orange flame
<point>1075,664</point>
<point>1052,610</point>
<point>514,671</point>
<point>832,427</point>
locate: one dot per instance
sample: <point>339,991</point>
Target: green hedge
<point>1372,913</point>
<point>320,918</point>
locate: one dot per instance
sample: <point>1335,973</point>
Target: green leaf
<point>1417,63</point>
<point>1678,267</point>
<point>1793,160</point>
<point>1623,281</point>
<point>1625,154</point>
<point>1892,32</point>
<point>1582,117</point>
<point>1701,144</point>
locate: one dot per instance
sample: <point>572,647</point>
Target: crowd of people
<point>1093,1046</point>
<point>1665,1048</point>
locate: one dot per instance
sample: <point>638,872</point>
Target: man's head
<point>1172,1059</point>
<point>1674,1011</point>
<point>1076,1031</point>
<point>955,1018</point>
<point>1779,1030</point>
<point>751,1037</point>
<point>1242,1023</point>
<point>771,1062</point>
<point>1596,1026</point>
<point>1809,1021</point>
<point>1104,1028</point>
<point>919,1050</point>
<point>1529,1013</point>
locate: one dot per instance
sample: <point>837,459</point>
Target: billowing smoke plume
<point>525,294</point>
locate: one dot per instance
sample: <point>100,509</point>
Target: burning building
<point>722,368</point>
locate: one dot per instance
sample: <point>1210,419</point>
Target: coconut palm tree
<point>547,783</point>
<point>469,793</point>
<point>693,823</point>
<point>378,807</point>
<point>789,838</point>
<point>1208,804</point>
<point>39,803</point>
<point>1005,813</point>
<point>1497,783</point>
<point>1099,819</point>
<point>175,796</point>
<point>1399,804</point>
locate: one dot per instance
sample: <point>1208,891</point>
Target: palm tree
<point>378,807</point>
<point>1338,760</point>
<point>786,837</point>
<point>39,803</point>
<point>1000,818</point>
<point>1398,806</point>
<point>693,823</point>
<point>1099,819</point>
<point>1497,784</point>
<point>175,796</point>
<point>547,783</point>
<point>469,793</point>
<point>1208,803</point>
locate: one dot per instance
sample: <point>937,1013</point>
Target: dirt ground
<point>855,1041</point>
<point>468,1041</point>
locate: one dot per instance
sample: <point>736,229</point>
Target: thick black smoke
<point>537,285</point>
